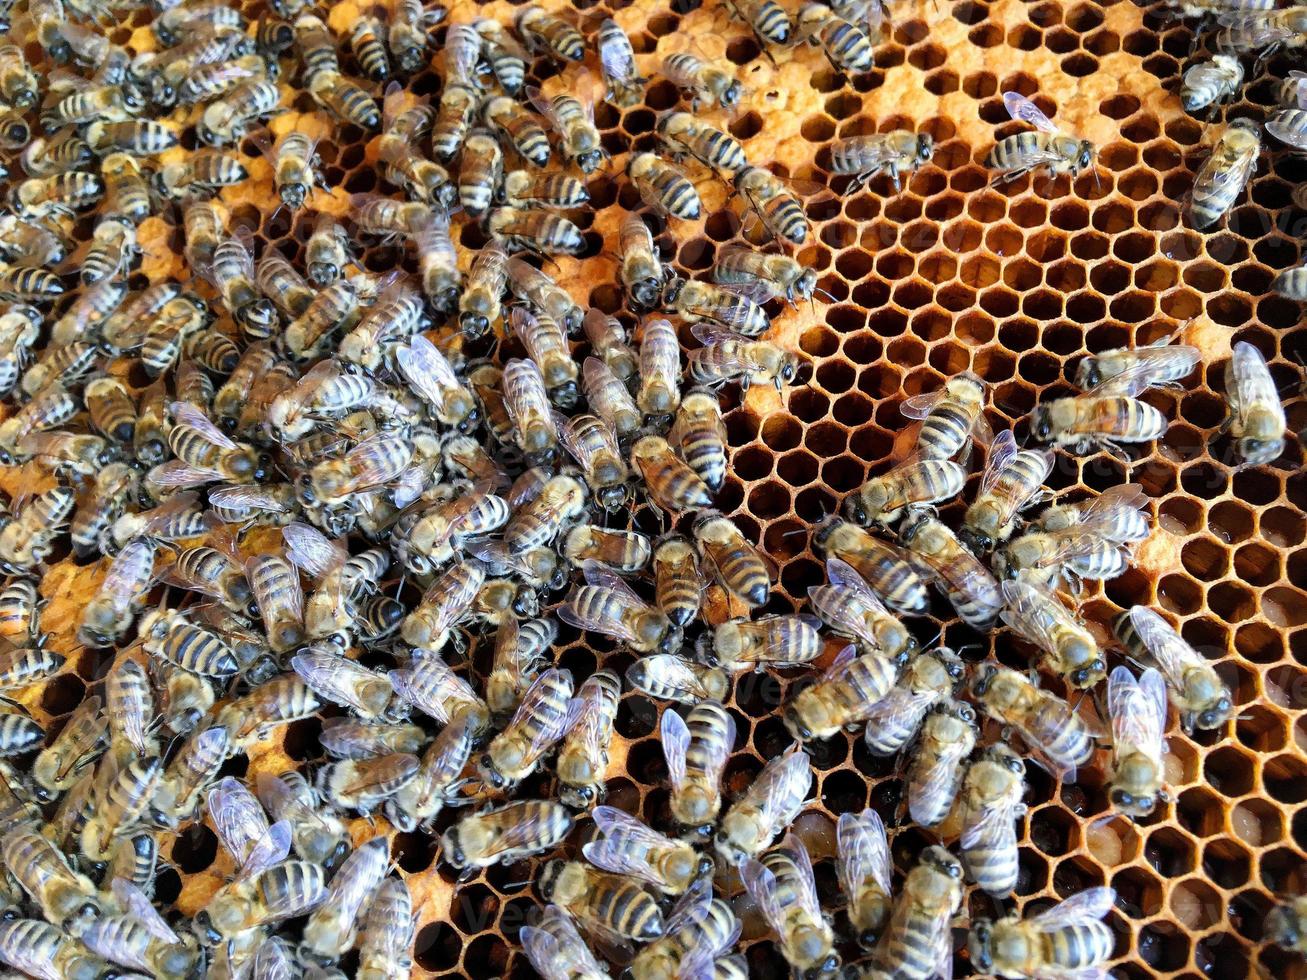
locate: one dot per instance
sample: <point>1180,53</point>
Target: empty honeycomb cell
<point>1226,863</point>
<point>1205,558</point>
<point>1026,38</point>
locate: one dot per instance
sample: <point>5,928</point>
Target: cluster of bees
<point>308,437</point>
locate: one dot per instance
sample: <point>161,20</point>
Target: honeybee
<point>1256,419</point>
<point>617,60</point>
<point>178,796</point>
<point>1118,515</point>
<point>81,741</point>
<point>583,755</point>
<point>627,846</point>
<point>1040,617</point>
<point>768,806</point>
<point>525,189</point>
<point>546,345</point>
<point>438,783</point>
<point>625,552</point>
<point>951,417</point>
<point>344,99</point>
<point>948,735</point>
<point>387,933</point>
<point>785,890</point>
<point>226,121</point>
<point>365,784</point>
<point>589,439</point>
<point>18,86</point>
<point>968,585</point>
<point>317,834</point>
<point>1076,553</point>
<point>345,682</point>
<point>432,377</point>
<point>736,564</point>
<point>547,34</point>
<point>608,904</point>
<point>1136,711</point>
<point>849,606</point>
<point>67,151</point>
<point>284,890</point>
<point>892,722</point>
<point>659,393</point>
<point>505,56</point>
<point>120,801</point>
<point>610,399</point>
<point>669,482</point>
<point>62,894</point>
<point>407,36</point>
<point>990,806</point>
<point>326,254</point>
<point>1058,735</point>
<point>845,45</point>
<point>696,749</point>
<point>110,612</point>
<point>663,187</point>
<point>1224,174</point>
<point>443,604</point>
<point>673,678</point>
<point>507,834</point>
<point>764,275</point>
<point>731,357</point>
<point>700,435</point>
<point>1203,699</point>
<point>479,305</point>
<point>572,117</point>
<point>20,609</point>
<point>332,928</point>
<point>126,193</point>
<point>556,950</point>
<point>454,115</point>
<point>917,944</point>
<point>1047,146</point>
<point>27,539</point>
<point>43,950</point>
<point>1102,417</point>
<point>1284,924</point>
<point>707,84</point>
<point>1211,81</point>
<point>897,152</point>
<point>369,50</point>
<point>519,127</point>
<point>1069,938</point>
<point>129,708</point>
<point>1013,480</point>
<point>167,634</point>
<point>865,868</point>
<point>606,604</point>
<point>536,231</point>
<point>527,404</point>
<point>26,283</point>
<point>842,697</point>
<point>520,650</point>
<point>642,272</point>
<point>1168,364</point>
<point>536,726</point>
<point>779,210</point>
<point>141,939</point>
<point>914,482</point>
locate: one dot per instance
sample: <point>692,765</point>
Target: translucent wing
<point>899,712</point>
<point>272,848</point>
<point>1219,169</point>
<point>863,850</point>
<point>1102,509</point>
<point>272,962</point>
<point>691,907</point>
<point>536,714</point>
<point>1165,645</point>
<point>761,885</point>
<point>1073,543</point>
<point>1134,380</point>
<point>1137,709</point>
<point>184,413</point>
<point>431,687</point>
<point>1204,74</point>
<point>175,473</point>
<point>620,859</point>
<point>842,574</point>
<point>674,671</point>
<point>1090,905</point>
<point>1001,453</point>
<point>1023,110</point>
<point>426,369</point>
<point>919,406</point>
<point>617,58</point>
<point>237,817</point>
<point>1033,613</point>
<point>1249,382</point>
<point>994,827</point>
<point>841,662</point>
<point>934,794</point>
<point>731,314</point>
<point>130,571</point>
<point>310,549</point>
<point>675,736</point>
<point>136,903</point>
<point>234,497</point>
<point>588,721</point>
<point>602,576</point>
<point>807,884</point>
<point>787,780</point>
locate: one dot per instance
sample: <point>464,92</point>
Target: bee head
<point>1041,423</point>
<point>731,96</point>
<point>1214,715</point>
<point>978,542</point>
<point>979,944</point>
<point>474,325</point>
<point>1085,157</point>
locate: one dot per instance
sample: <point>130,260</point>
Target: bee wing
<point>1248,381</point>
<point>567,435</point>
<point>376,461</point>
<point>311,550</point>
<point>1205,73</point>
<point>586,722</point>
<point>1165,645</point>
<point>546,724</point>
<point>732,315</point>
<point>933,793</point>
<point>1102,509</point>
<point>841,661</point>
<point>863,851</point>
<point>268,600</point>
<point>604,577</point>
<point>524,390</point>
<point>844,575</point>
<point>786,781</point>
<point>620,859</point>
<point>1076,543</point>
<point>759,291</point>
<point>617,59</point>
<point>994,827</point>
<point>175,473</point>
<point>431,687</point>
<point>1001,453</point>
<point>187,414</point>
<point>237,497</point>
<point>1031,612</point>
<point>237,817</point>
<point>462,50</point>
<point>900,710</point>
<point>1023,110</point>
<point>691,907</point>
<point>1090,905</point>
<point>136,903</point>
<point>675,737</point>
<point>675,671</point>
<point>807,893</point>
<point>919,406</point>
<point>130,571</point>
<point>710,334</point>
<point>761,885</point>
<point>1136,709</point>
<point>425,369</point>
<point>272,962</point>
<point>1214,171</point>
<point>272,848</point>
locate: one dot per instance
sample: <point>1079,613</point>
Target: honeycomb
<point>1013,282</point>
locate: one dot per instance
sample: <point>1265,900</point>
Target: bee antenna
<point>1098,182</point>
